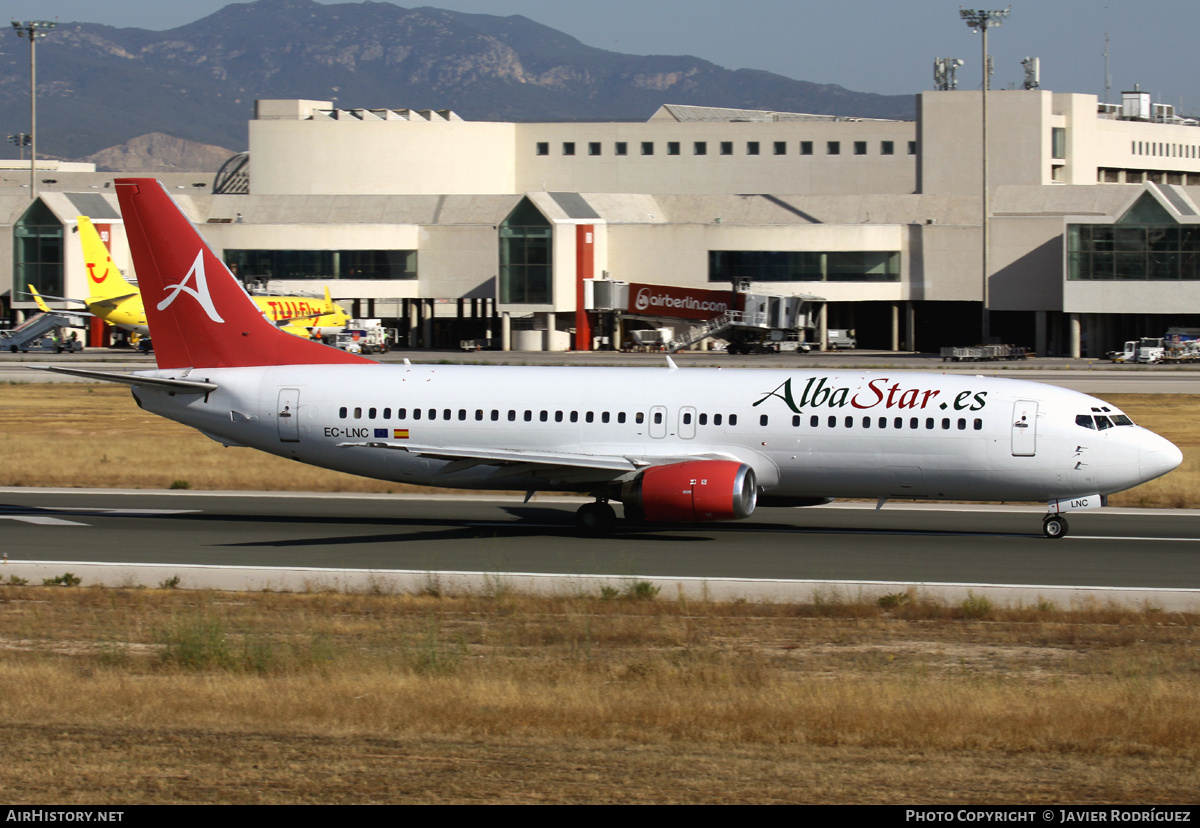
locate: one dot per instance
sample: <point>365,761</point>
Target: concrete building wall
<point>1027,263</point>
<point>743,170</point>
<point>951,139</point>
<point>381,156</point>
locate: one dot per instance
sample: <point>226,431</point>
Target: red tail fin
<point>199,315</point>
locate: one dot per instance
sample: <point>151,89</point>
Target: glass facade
<point>1145,244</point>
<point>526,244</point>
<point>38,251</point>
<point>322,264</point>
<point>804,266</point>
<point>1133,252</point>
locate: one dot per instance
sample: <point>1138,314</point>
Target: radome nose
<point>1157,456</point>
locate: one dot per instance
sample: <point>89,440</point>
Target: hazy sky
<point>884,46</point>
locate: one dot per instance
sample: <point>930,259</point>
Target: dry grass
<point>162,696</point>
<point>94,436</point>
<point>122,696</point>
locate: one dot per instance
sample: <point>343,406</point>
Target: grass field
<point>128,696</point>
<point>159,696</point>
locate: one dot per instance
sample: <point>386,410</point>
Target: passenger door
<point>1024,428</point>
<point>288,415</point>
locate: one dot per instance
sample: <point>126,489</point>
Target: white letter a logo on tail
<point>200,292</point>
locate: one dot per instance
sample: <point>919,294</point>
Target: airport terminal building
<point>452,229</point>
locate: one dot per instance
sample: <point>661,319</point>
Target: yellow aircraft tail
<point>37,297</point>
<point>105,282</point>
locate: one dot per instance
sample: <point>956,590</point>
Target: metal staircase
<point>38,333</point>
<point>717,325</point>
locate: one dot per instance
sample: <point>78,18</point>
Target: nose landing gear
<point>1054,526</point>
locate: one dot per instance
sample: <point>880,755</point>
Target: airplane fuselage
<point>805,434</point>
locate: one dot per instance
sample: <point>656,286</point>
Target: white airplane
<point>669,444</point>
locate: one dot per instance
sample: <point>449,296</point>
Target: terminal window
<point>672,148</point>
<point>38,250</point>
<point>781,147</point>
<point>833,148</point>
<point>804,266</point>
<point>526,272</point>
<point>621,148</point>
<point>1133,252</point>
<point>593,148</point>
<point>806,147</point>
<point>887,148</point>
<point>543,148</point>
<point>860,147</point>
<point>727,148</point>
<point>322,264</point>
<point>752,148</point>
<point>700,148</point>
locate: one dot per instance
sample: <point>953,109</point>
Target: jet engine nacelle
<point>693,491</point>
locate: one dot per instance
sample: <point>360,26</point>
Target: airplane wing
<point>576,467</point>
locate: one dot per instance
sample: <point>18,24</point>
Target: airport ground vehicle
<point>841,339</point>
<point>49,332</point>
<point>363,336</point>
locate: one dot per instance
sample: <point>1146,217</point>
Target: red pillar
<point>585,265</point>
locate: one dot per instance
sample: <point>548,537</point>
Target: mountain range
<point>100,86</point>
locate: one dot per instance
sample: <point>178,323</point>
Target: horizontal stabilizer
<point>177,385</point>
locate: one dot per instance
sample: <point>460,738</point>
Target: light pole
<point>980,20</point>
<point>33,30</point>
<point>21,141</point>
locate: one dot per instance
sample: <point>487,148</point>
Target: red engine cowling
<point>693,491</point>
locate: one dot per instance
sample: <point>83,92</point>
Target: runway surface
<point>908,544</point>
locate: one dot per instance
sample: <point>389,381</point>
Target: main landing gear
<point>1054,526</point>
<point>595,519</point>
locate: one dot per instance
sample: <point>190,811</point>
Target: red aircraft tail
<point>199,314</point>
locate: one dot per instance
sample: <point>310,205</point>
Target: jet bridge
<point>751,322</point>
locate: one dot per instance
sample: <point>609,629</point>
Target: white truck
<point>1178,345</point>
<point>1126,353</point>
<point>364,336</point>
<point>840,339</point>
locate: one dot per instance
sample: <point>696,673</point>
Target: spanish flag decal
<point>400,434</point>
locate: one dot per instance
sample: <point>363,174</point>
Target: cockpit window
<point>1121,420</point>
<point>1103,423</point>
<point>1084,420</point>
